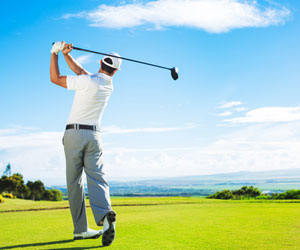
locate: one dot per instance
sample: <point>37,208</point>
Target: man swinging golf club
<point>82,142</point>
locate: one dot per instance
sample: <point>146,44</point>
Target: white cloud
<point>240,109</point>
<point>83,59</point>
<point>39,154</point>
<point>226,113</point>
<point>34,153</point>
<point>16,130</point>
<point>210,15</point>
<point>268,115</point>
<point>116,130</point>
<point>255,148</point>
<point>227,105</point>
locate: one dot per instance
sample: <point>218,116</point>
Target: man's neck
<point>103,72</point>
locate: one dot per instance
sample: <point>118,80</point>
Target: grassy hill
<point>204,185</point>
<point>158,223</point>
<point>278,180</point>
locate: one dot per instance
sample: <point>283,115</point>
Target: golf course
<point>157,223</point>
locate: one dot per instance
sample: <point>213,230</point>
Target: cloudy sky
<point>235,106</point>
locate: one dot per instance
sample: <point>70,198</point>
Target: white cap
<point>116,62</point>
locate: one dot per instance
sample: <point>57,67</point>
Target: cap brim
<point>109,65</point>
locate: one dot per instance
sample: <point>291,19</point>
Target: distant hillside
<point>242,175</point>
<point>202,185</point>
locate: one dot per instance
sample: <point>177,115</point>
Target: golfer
<point>82,141</point>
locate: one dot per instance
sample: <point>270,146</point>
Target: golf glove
<point>57,46</point>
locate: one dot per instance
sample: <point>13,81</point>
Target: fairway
<point>160,223</point>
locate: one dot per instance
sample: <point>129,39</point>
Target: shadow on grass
<point>49,243</point>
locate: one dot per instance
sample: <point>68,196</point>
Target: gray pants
<point>83,150</point>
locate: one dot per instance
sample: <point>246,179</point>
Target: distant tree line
<point>288,195</point>
<point>252,192</point>
<point>35,190</point>
<point>242,193</point>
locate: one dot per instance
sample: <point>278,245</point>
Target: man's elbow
<point>53,79</point>
<point>53,76</point>
<point>60,80</point>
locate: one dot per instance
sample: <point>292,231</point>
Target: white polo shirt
<point>91,96</point>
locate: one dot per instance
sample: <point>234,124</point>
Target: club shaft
<point>124,58</point>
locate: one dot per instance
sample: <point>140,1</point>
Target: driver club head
<point>174,73</point>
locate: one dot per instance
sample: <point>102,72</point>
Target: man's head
<point>110,64</point>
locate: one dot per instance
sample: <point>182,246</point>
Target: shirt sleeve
<point>77,82</point>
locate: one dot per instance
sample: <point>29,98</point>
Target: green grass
<point>159,223</point>
<point>20,205</point>
<point>17,205</point>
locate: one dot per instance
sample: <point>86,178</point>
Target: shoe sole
<point>82,238</point>
<point>110,234</point>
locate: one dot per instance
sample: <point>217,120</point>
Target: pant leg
<point>74,145</point>
<point>97,185</point>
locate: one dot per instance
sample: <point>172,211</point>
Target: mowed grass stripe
<point>211,225</point>
<point>88,206</point>
<point>18,205</point>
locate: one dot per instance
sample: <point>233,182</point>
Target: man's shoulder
<point>97,78</point>
<point>82,77</point>
<point>78,82</point>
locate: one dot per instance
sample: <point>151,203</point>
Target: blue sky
<point>235,106</point>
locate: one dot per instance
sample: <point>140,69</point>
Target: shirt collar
<point>105,77</point>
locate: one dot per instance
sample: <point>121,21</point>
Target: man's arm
<point>55,76</point>
<point>74,66</point>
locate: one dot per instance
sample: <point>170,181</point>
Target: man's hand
<point>67,48</point>
<point>57,46</point>
<point>55,76</point>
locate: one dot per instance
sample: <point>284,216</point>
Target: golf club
<point>174,70</point>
